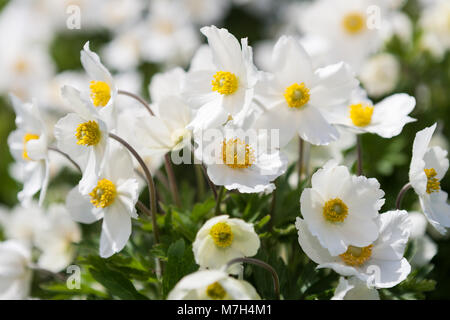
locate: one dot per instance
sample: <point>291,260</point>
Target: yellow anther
<point>103,194</point>
<point>356,256</point>
<point>225,82</point>
<point>100,93</point>
<point>215,291</point>
<point>361,115</point>
<point>335,210</point>
<point>433,184</point>
<point>27,137</point>
<point>297,95</point>
<point>237,154</point>
<point>88,133</point>
<point>222,234</point>
<point>354,23</point>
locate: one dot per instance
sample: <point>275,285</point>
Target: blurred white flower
<point>428,167</point>
<point>379,265</point>
<point>295,94</point>
<point>380,74</point>
<point>28,145</point>
<point>204,12</point>
<point>435,22</point>
<point>112,198</point>
<point>15,274</point>
<point>212,285</point>
<point>124,51</point>
<point>354,289</point>
<point>341,209</point>
<point>222,239</point>
<point>166,84</point>
<point>425,248</point>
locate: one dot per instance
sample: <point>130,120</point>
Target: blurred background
<point>41,42</point>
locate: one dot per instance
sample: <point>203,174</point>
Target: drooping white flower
<point>424,247</point>
<point>428,167</point>
<point>212,285</point>
<point>354,289</point>
<point>28,145</point>
<point>226,89</point>
<point>386,118</point>
<point>379,264</point>
<point>83,135</point>
<point>55,238</point>
<point>341,209</point>
<point>15,274</point>
<point>222,239</point>
<point>112,198</point>
<point>295,94</point>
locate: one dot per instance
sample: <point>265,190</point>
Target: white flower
<point>386,118</point>
<point>212,285</point>
<point>205,12</point>
<point>28,145</point>
<point>83,136</point>
<point>379,264</point>
<point>341,209</point>
<point>167,84</point>
<point>15,275</point>
<point>424,248</point>
<point>226,89</point>
<point>113,198</point>
<point>354,289</point>
<point>242,160</point>
<point>380,74</point>
<point>55,238</point>
<point>222,239</point>
<point>428,167</point>
<point>103,89</point>
<point>295,94</point>
<point>435,24</point>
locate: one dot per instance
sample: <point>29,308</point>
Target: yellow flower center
<point>297,95</point>
<point>361,115</point>
<point>88,133</point>
<point>103,194</point>
<point>433,184</point>
<point>21,66</point>
<point>215,291</point>
<point>354,23</point>
<point>100,93</point>
<point>335,210</point>
<point>237,154</point>
<point>356,256</point>
<point>27,137</point>
<point>222,234</point>
<point>225,82</point>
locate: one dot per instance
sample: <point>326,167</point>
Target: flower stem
<point>359,151</point>
<point>139,99</point>
<point>211,185</point>
<point>401,194</point>
<point>66,156</point>
<point>219,199</point>
<point>256,262</point>
<point>301,149</point>
<point>172,181</point>
<point>200,181</point>
<point>150,182</point>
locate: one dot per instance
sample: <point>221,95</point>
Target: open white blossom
<point>112,198</point>
<point>212,285</point>
<point>28,145</point>
<point>341,209</point>
<point>379,264</point>
<point>222,239</point>
<point>354,289</point>
<point>428,167</point>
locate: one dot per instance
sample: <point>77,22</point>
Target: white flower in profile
<point>222,239</point>
<point>386,118</point>
<point>241,159</point>
<point>28,145</point>
<point>354,289</point>
<point>212,285</point>
<point>103,89</point>
<point>227,88</point>
<point>166,84</point>
<point>295,94</point>
<point>341,209</point>
<point>112,198</point>
<point>15,274</point>
<point>83,136</point>
<point>55,239</point>
<point>428,167</point>
<point>425,247</point>
<point>379,264</point>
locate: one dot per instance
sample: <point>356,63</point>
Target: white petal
<point>116,229</point>
<point>80,207</point>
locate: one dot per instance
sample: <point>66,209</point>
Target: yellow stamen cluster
<point>433,184</point>
<point>27,137</point>
<point>361,115</point>
<point>356,256</point>
<point>225,82</point>
<point>215,291</point>
<point>297,95</point>
<point>237,154</point>
<point>222,234</point>
<point>354,23</point>
<point>88,133</point>
<point>103,194</point>
<point>335,210</point>
<point>100,93</point>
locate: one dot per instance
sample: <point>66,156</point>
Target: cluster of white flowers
<point>239,119</point>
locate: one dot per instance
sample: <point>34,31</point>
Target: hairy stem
<point>401,194</point>
<point>219,199</point>
<point>301,149</point>
<point>172,181</point>
<point>359,151</point>
<point>66,156</point>
<point>211,185</point>
<point>139,99</point>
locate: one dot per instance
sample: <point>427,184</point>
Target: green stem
<point>219,199</point>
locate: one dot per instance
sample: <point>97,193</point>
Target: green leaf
<point>202,209</point>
